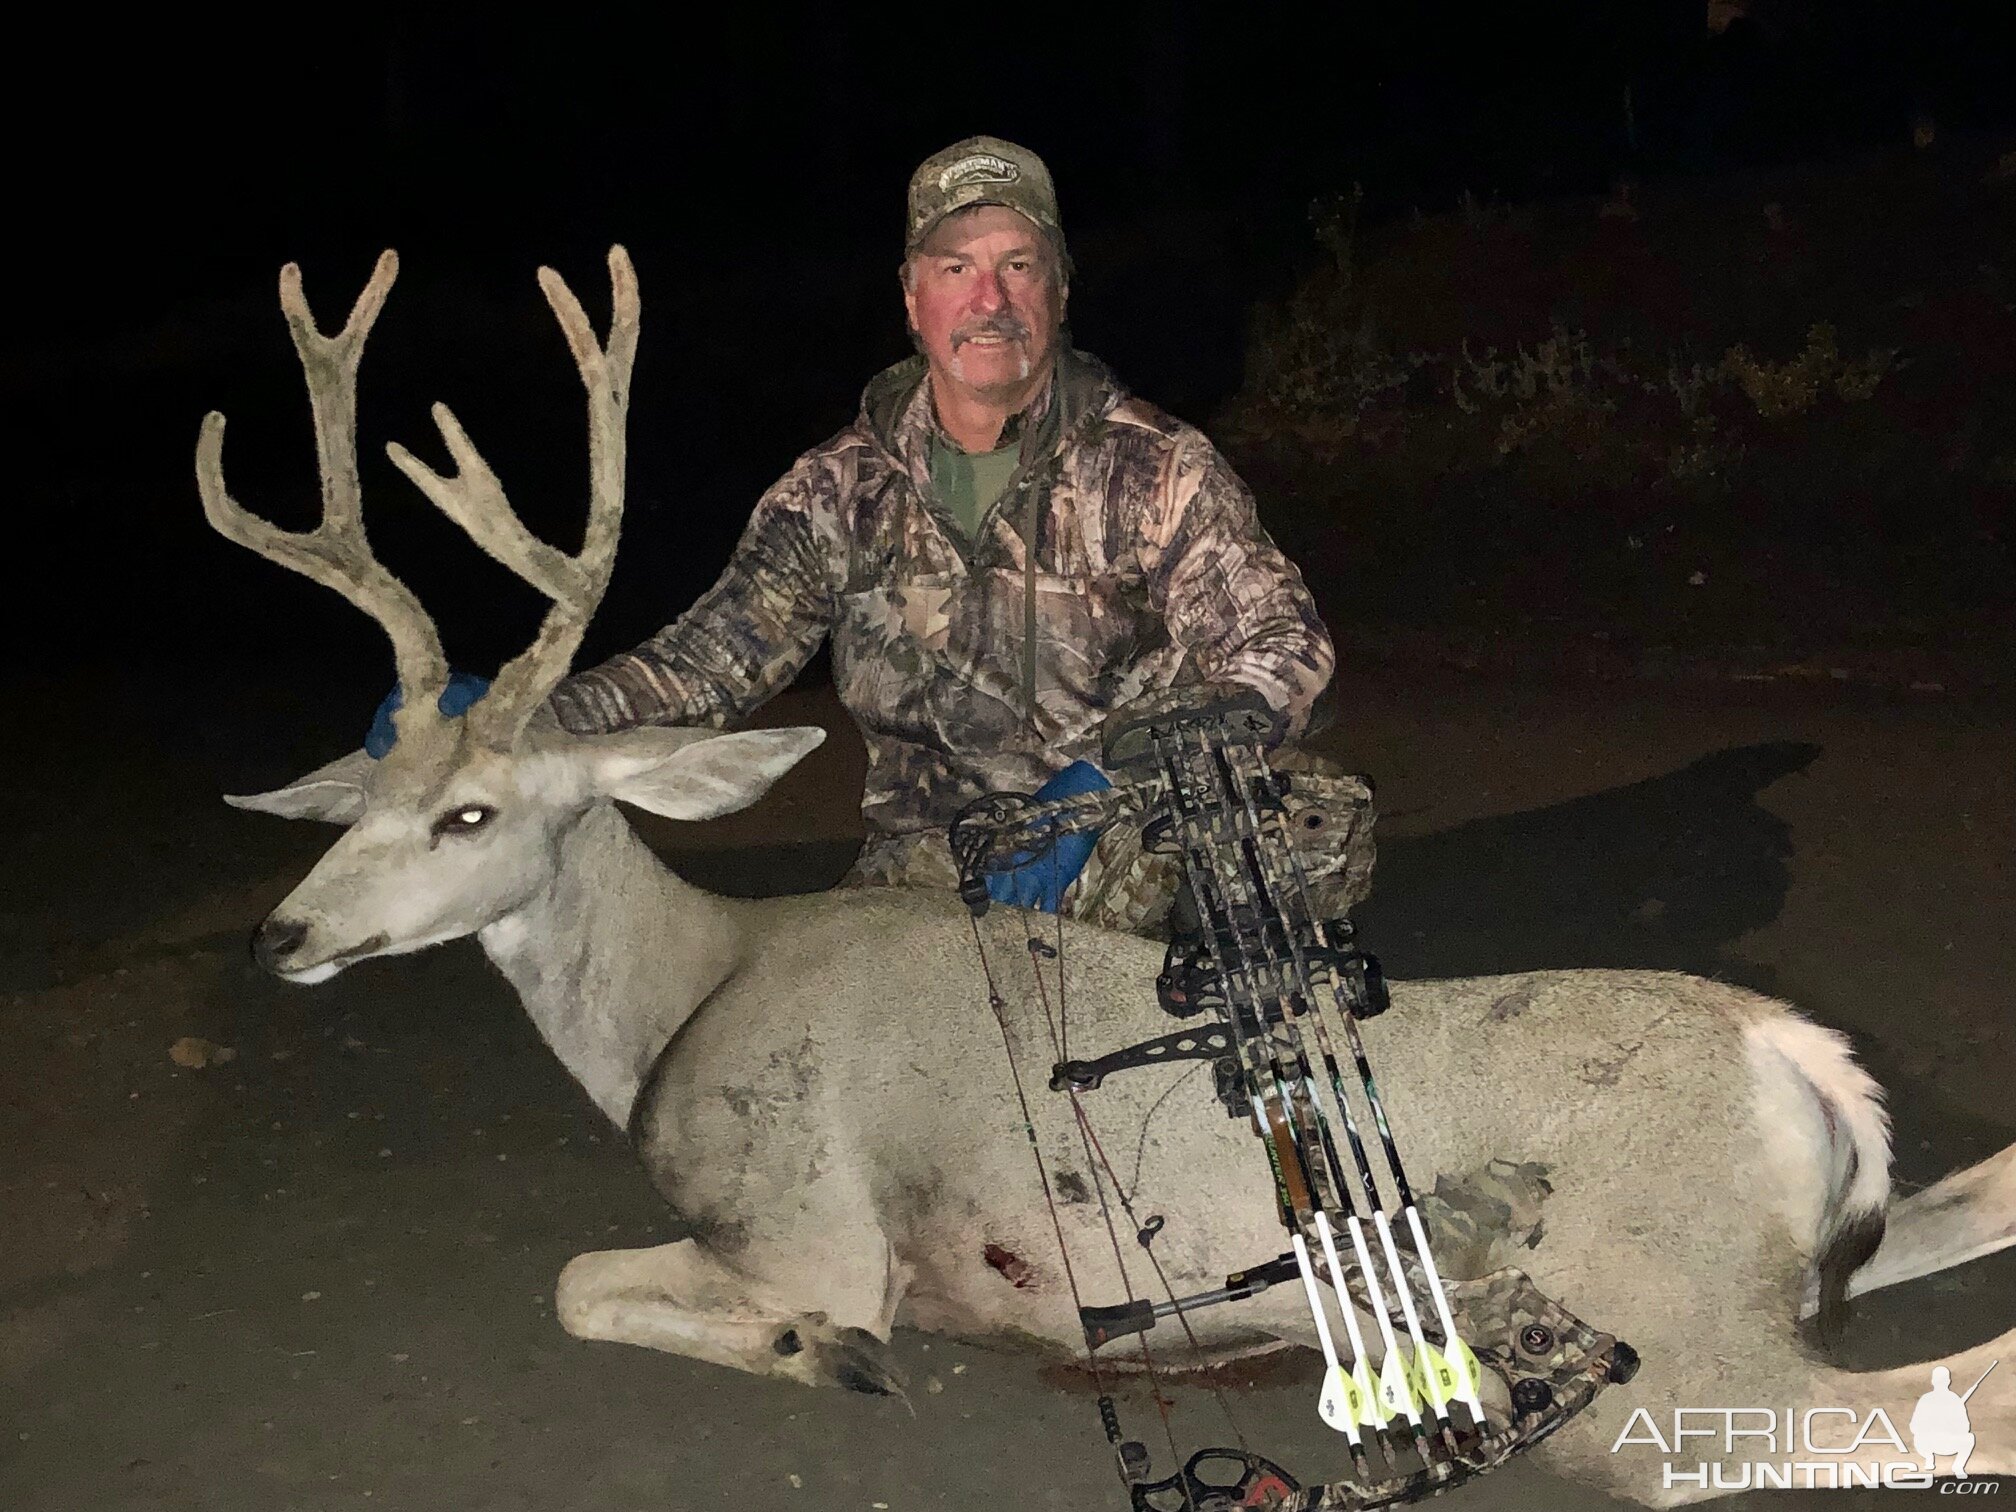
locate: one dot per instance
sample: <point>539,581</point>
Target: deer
<point>817,1091</point>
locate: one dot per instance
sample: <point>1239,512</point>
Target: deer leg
<point>687,1300</point>
<point>1969,1214</point>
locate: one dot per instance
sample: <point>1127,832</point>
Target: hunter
<point>1005,547</point>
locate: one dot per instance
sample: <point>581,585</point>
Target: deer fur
<point>821,1095</point>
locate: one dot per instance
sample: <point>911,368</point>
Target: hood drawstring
<point>1032,519</point>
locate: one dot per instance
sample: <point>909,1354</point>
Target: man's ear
<point>687,774</point>
<point>334,793</point>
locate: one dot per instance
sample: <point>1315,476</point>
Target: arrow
<point>1335,1406</point>
<point>1396,1400</point>
<point>1340,1405</point>
<point>1464,1386</point>
<point>1360,1377</point>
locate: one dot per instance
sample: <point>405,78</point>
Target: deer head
<point>462,822</point>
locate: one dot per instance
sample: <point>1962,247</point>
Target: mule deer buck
<point>818,1091</point>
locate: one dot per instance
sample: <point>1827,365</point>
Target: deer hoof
<point>855,1359</point>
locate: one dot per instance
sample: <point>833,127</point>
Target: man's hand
<point>463,689</point>
<point>1040,882</point>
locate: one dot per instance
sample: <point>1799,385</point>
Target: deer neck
<point>613,956</point>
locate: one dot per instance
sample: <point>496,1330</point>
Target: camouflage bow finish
<point>1202,789</point>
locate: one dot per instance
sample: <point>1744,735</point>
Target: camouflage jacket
<point>984,666</point>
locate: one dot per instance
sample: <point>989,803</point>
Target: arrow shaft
<point>1315,1302</point>
<point>1435,1290</point>
<point>1379,1311</point>
<point>1328,1236</point>
<point>1350,1424</point>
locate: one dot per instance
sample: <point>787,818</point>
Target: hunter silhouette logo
<point>1939,1422</point>
<point>1710,1449</point>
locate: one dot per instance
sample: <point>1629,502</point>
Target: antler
<point>474,499</point>
<point>336,552</point>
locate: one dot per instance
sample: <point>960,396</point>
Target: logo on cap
<point>981,168</point>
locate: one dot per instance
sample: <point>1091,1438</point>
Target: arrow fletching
<point>1440,1379</point>
<point>1344,1404</point>
<point>1375,1414</point>
<point>1397,1396</point>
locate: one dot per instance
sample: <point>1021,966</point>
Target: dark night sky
<point>756,174</point>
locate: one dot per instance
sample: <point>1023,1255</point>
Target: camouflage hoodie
<point>984,666</point>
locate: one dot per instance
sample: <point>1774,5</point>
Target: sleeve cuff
<point>585,707</point>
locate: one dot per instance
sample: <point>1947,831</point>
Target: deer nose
<point>276,940</point>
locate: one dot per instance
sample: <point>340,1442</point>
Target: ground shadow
<point>766,871</point>
<point>1665,873</point>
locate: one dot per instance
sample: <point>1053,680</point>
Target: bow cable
<point>1095,1160</point>
<point>999,1006</point>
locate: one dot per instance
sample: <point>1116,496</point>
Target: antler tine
<point>336,553</point>
<point>475,500</point>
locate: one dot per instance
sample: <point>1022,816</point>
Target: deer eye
<point>465,820</point>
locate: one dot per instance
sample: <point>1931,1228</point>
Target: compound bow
<point>1274,975</point>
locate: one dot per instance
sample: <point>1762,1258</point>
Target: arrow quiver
<point>1272,993</point>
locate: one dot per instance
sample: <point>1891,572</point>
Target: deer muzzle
<point>277,941</point>
<point>281,946</point>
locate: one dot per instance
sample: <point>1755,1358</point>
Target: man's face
<point>986,300</point>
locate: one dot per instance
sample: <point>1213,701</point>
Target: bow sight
<point>1282,985</point>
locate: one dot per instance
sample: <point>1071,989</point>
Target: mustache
<point>1006,326</point>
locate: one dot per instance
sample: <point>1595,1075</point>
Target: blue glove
<point>463,689</point>
<point>1040,882</point>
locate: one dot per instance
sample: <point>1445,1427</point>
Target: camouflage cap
<point>981,170</point>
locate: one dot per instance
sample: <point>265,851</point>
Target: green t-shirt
<point>968,483</point>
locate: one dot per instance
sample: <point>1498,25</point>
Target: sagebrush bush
<point>1778,389</point>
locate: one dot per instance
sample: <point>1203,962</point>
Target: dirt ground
<point>318,1274</point>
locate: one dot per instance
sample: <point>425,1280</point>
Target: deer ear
<point>333,793</point>
<point>683,774</point>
